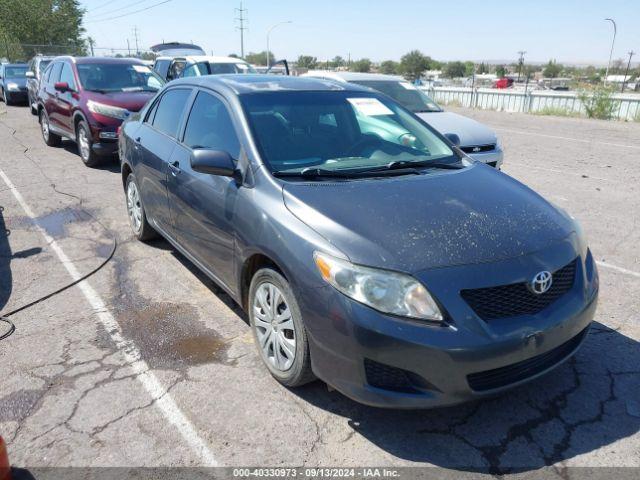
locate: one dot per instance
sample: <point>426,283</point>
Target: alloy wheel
<point>274,326</point>
<point>44,124</point>
<point>84,144</point>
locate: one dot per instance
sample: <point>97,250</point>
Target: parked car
<point>504,82</point>
<point>13,83</point>
<point>85,99</point>
<point>171,68</point>
<point>37,66</point>
<point>402,274</point>
<point>475,139</point>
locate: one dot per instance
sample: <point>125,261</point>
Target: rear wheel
<point>278,329</point>
<point>137,216</point>
<point>85,145</point>
<point>34,110</point>
<point>51,139</point>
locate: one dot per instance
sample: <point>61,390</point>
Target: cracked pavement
<point>70,397</point>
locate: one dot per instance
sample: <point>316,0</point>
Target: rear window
<point>170,110</point>
<point>15,72</point>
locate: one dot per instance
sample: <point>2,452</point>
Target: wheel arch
<point>254,262</point>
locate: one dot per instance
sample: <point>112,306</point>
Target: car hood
<point>132,101</point>
<point>413,223</point>
<point>470,132</point>
<point>20,81</point>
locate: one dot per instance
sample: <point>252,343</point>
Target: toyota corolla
<point>397,270</point>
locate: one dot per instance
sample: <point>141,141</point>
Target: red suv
<point>85,100</point>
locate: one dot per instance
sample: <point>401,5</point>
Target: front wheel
<point>34,110</point>
<point>85,145</point>
<point>5,97</point>
<point>278,329</point>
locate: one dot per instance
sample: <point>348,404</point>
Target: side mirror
<point>61,86</point>
<point>453,138</point>
<point>213,162</point>
<point>30,74</point>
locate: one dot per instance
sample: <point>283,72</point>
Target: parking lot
<point>148,363</point>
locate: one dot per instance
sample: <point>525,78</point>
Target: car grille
<point>478,148</point>
<point>503,376</point>
<point>516,299</point>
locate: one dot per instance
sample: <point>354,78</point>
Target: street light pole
<point>615,30</point>
<point>626,73</point>
<point>269,33</point>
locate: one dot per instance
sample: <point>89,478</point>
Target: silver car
<point>475,139</point>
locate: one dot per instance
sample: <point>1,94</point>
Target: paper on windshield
<point>408,86</point>
<point>369,106</point>
<point>141,68</point>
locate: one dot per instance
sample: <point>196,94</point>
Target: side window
<point>152,113</point>
<point>169,111</point>
<point>190,71</point>
<point>210,126</point>
<point>162,67</point>
<point>54,76</point>
<point>67,76</point>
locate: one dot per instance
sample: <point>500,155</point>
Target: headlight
<point>12,87</point>
<point>385,291</point>
<point>107,110</point>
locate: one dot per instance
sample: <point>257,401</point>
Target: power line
<point>131,13</point>
<point>241,19</point>
<point>103,14</point>
<point>106,4</point>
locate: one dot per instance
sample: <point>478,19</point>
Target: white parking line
<point>149,381</point>
<point>581,140</point>
<point>618,269</point>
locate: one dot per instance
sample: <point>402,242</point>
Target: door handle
<point>175,168</point>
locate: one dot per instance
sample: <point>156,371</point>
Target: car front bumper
<point>494,158</point>
<point>17,95</point>
<point>353,346</point>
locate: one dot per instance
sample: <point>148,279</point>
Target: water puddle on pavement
<point>170,336</point>
<point>54,223</point>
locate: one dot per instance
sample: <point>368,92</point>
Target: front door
<point>203,205</point>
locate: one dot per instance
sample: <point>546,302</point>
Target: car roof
<point>241,84</point>
<point>203,58</point>
<point>354,76</point>
<point>102,60</point>
<point>15,65</point>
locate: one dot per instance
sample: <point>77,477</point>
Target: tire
<point>284,350</point>
<point>34,111</point>
<point>84,142</point>
<point>5,97</point>
<point>140,226</point>
<point>51,139</point>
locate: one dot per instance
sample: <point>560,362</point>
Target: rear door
<point>66,100</point>
<point>50,98</point>
<point>202,205</point>
<point>155,143</point>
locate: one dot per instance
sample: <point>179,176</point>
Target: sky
<point>570,31</point>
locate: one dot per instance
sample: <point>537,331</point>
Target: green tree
<point>337,62</point>
<point>362,65</point>
<point>414,64</point>
<point>552,69</point>
<point>454,70</point>
<point>469,69</point>
<point>260,58</point>
<point>41,26</point>
<point>307,61</point>
<point>501,71</point>
<point>483,68</point>
<point>389,67</point>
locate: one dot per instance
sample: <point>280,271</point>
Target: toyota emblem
<point>541,283</point>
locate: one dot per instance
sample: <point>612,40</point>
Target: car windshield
<point>338,131</point>
<point>218,68</point>
<point>406,94</point>
<point>118,77</point>
<point>43,64</point>
<point>15,72</point>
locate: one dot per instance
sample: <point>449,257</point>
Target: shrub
<point>599,102</point>
<point>556,112</point>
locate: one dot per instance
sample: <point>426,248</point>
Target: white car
<point>475,139</point>
<point>170,68</point>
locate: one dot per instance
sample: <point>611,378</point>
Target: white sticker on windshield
<point>369,106</point>
<point>408,86</point>
<point>141,68</point>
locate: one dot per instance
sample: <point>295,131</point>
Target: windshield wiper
<point>397,164</point>
<point>98,90</point>
<point>315,172</point>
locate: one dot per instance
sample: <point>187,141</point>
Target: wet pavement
<point>175,379</point>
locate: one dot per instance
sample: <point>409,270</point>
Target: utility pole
<point>624,79</point>
<point>615,30</point>
<point>520,62</point>
<point>241,19</point>
<point>135,34</point>
<point>128,47</point>
<point>91,43</point>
